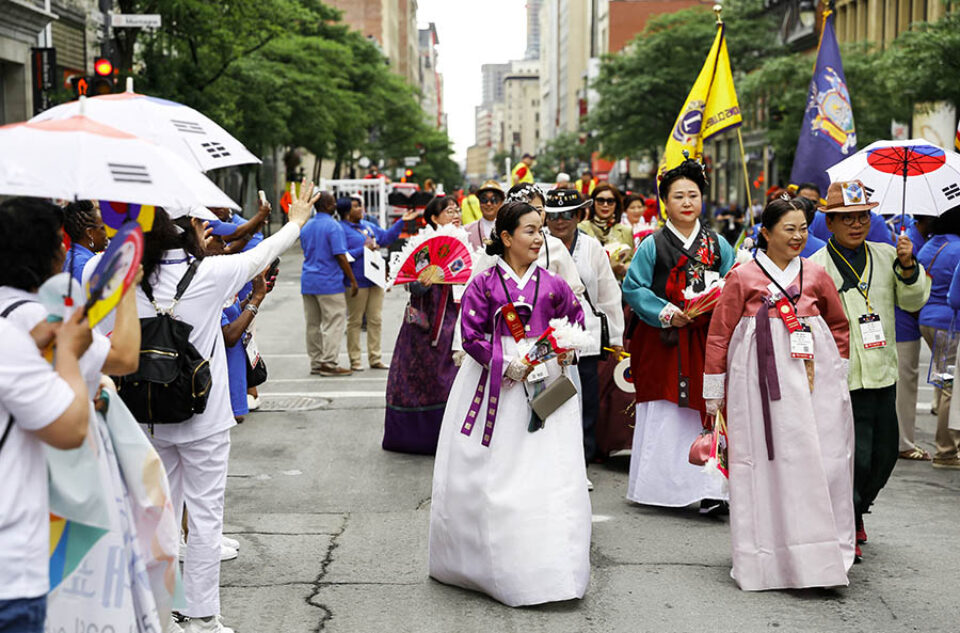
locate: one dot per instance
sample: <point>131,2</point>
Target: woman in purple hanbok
<point>510,513</point>
<point>422,369</point>
<point>777,349</point>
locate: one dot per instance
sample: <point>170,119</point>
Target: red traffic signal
<point>407,175</point>
<point>102,67</point>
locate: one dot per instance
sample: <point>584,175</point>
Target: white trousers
<point>198,476</point>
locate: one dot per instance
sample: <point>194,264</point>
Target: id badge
<point>539,373</point>
<point>871,331</point>
<point>801,344</point>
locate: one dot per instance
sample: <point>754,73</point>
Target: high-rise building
<point>521,108</point>
<point>565,38</point>
<point>533,30</point>
<point>492,78</point>
<point>431,81</point>
<point>392,24</point>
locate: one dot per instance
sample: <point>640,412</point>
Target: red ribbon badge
<point>513,322</point>
<point>786,312</point>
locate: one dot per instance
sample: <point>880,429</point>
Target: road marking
<point>600,518</point>
<point>327,394</point>
<point>323,380</point>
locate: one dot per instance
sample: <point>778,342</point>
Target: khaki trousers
<point>946,440</point>
<point>369,302</point>
<point>908,359</point>
<point>326,317</point>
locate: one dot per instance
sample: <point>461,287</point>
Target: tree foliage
<point>775,95</point>
<point>281,73</point>
<point>566,152</point>
<point>924,62</point>
<point>643,88</point>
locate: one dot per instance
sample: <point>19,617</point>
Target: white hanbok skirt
<point>511,519</point>
<point>660,471</point>
<point>791,518</point>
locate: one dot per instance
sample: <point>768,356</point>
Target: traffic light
<point>407,175</point>
<point>103,80</point>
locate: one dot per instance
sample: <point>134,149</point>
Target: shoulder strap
<point>186,279</point>
<point>6,432</point>
<point>935,256</point>
<point>181,286</point>
<point>16,304</point>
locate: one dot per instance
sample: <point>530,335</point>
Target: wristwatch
<point>252,308</point>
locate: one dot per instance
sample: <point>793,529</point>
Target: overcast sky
<point>471,33</point>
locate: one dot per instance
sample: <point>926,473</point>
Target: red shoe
<point>861,533</point>
<point>857,555</point>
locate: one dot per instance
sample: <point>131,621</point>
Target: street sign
<point>135,20</point>
<point>411,161</point>
<point>44,68</point>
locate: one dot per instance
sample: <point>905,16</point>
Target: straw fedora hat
<point>491,185</point>
<point>848,196</point>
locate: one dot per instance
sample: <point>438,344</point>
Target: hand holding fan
<point>115,272</point>
<point>436,256</point>
<point>561,337</point>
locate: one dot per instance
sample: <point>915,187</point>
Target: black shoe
<point>714,508</point>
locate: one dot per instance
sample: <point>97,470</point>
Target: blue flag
<point>828,134</point>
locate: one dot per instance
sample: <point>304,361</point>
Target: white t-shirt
<point>28,315</point>
<point>217,279</point>
<point>36,396</point>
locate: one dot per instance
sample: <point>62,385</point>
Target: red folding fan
<point>438,256</point>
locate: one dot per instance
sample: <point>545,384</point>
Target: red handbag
<point>701,448</point>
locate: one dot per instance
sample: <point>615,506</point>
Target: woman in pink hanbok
<point>777,353</point>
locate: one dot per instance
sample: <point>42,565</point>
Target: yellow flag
<point>711,107</point>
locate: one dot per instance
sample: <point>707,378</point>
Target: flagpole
<point>743,155</point>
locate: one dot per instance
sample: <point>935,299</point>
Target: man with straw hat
<point>872,278</point>
<point>491,198</point>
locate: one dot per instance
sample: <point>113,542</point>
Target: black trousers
<point>587,366</point>
<point>877,443</point>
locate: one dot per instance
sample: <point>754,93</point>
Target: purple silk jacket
<point>539,297</point>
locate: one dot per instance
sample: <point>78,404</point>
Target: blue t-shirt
<point>879,231</point>
<point>356,235</point>
<point>322,240</point>
<point>77,258</point>
<point>937,313</point>
<point>236,364</point>
<point>813,245</point>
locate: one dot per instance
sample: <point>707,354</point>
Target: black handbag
<point>256,372</point>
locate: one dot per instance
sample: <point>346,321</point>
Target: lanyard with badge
<point>871,330</point>
<point>516,324</point>
<point>801,338</point>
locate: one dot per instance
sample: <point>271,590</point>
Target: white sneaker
<point>174,626</point>
<point>253,402</point>
<point>226,552</point>
<point>589,485</point>
<point>230,542</point>
<point>213,624</point>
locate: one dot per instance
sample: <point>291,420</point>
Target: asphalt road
<point>333,530</point>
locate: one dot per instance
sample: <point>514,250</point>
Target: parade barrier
<point>373,191</point>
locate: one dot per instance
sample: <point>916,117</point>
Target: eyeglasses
<point>605,201</point>
<point>849,219</point>
<point>451,211</point>
<point>490,200</point>
<point>563,215</point>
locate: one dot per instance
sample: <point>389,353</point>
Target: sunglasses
<point>490,199</point>
<point>605,201</point>
<point>571,214</point>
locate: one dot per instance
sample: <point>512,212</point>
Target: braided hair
<point>77,218</point>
